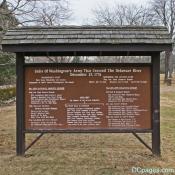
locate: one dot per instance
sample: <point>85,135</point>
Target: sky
<point>82,9</point>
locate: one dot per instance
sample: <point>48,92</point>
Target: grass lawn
<point>87,154</point>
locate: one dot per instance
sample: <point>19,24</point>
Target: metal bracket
<point>142,141</point>
<point>33,142</point>
<point>41,134</point>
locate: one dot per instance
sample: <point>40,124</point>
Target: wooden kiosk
<point>91,97</point>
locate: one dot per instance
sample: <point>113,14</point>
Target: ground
<point>87,154</point>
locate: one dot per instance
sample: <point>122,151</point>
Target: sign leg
<point>156,104</point>
<point>20,135</point>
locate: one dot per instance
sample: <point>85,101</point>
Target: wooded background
<point>15,13</point>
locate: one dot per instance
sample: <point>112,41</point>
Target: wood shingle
<point>87,35</point>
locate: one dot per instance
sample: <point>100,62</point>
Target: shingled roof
<point>87,40</point>
<point>87,35</point>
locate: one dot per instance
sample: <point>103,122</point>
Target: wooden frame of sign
<point>125,100</point>
<point>87,98</point>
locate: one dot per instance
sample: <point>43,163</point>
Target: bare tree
<point>123,15</point>
<point>51,13</point>
<point>7,19</point>
<point>104,15</point>
<point>59,59</point>
<point>164,13</point>
<point>32,12</point>
<point>159,12</point>
<point>16,8</point>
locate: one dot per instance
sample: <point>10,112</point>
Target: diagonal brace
<point>142,141</point>
<point>33,142</point>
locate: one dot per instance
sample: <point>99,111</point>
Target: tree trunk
<point>167,58</point>
<point>171,66</point>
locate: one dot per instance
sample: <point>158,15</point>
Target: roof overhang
<point>86,47</point>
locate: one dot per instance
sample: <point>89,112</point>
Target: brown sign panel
<point>87,98</point>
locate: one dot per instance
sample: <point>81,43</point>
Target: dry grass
<point>87,154</point>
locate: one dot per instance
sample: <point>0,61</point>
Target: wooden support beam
<point>20,134</point>
<point>156,104</point>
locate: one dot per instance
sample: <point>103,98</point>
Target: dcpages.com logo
<point>139,170</point>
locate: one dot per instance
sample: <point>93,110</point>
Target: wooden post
<point>20,135</point>
<point>156,104</point>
